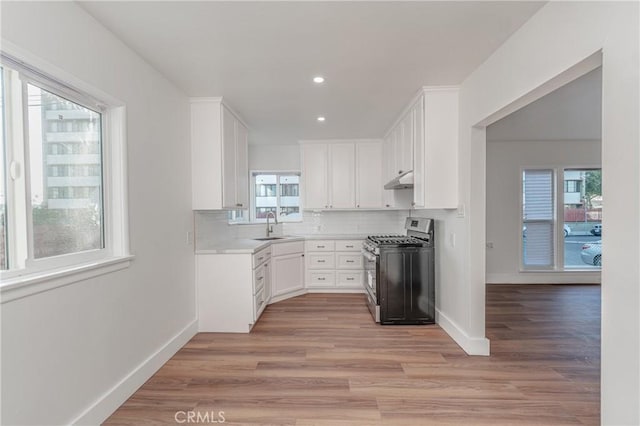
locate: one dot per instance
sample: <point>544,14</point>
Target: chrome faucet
<point>270,228</point>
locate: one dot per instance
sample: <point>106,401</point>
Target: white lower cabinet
<point>287,272</point>
<point>332,265</point>
<point>234,289</point>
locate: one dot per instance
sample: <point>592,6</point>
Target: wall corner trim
<point>111,400</point>
<point>471,345</point>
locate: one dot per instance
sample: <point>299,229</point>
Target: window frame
<point>252,193</point>
<point>558,229</point>
<point>115,253</point>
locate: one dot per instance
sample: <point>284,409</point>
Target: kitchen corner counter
<point>250,246</point>
<point>243,245</point>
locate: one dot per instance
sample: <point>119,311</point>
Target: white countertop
<point>250,246</point>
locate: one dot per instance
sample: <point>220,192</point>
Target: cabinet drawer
<point>259,303</point>
<point>349,245</point>
<point>349,261</point>
<point>261,257</point>
<point>321,279</point>
<point>321,260</point>
<point>320,245</point>
<point>281,249</point>
<point>259,279</point>
<point>349,279</point>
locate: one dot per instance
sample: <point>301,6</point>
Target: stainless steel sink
<point>269,238</point>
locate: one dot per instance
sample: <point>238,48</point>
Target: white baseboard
<point>471,345</point>
<point>101,409</point>
<point>353,290</point>
<point>552,277</point>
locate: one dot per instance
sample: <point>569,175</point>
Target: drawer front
<point>321,260</point>
<point>320,245</point>
<point>349,279</point>
<point>259,279</point>
<point>321,279</point>
<point>262,256</point>
<point>281,249</point>
<point>259,303</point>
<point>349,245</point>
<point>349,261</point>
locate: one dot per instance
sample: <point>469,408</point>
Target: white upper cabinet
<point>341,175</point>
<point>439,144</point>
<point>425,140</point>
<point>314,176</point>
<point>369,178</point>
<point>219,157</point>
<point>404,147</point>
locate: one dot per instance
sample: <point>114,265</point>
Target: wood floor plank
<point>320,360</point>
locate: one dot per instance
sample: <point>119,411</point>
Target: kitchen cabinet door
<point>405,144</point>
<point>267,283</point>
<point>314,176</point>
<point>342,160</point>
<point>369,179</point>
<point>287,273</point>
<point>418,152</point>
<point>242,166</point>
<point>228,159</point>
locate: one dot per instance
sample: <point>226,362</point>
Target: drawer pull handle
<point>350,278</point>
<point>260,258</point>
<point>321,279</point>
<point>349,246</point>
<point>350,261</point>
<point>321,261</point>
<point>320,246</point>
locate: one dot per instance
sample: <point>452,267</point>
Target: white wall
<point>571,112</point>
<point>505,161</point>
<point>65,349</point>
<point>274,157</point>
<point>559,36</point>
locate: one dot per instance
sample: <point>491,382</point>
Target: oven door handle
<point>369,256</point>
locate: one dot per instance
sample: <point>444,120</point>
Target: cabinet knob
<point>330,207</point>
<point>358,206</point>
<point>239,205</point>
<point>326,206</point>
<point>388,205</point>
<point>399,172</point>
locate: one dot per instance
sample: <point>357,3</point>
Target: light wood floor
<point>320,360</point>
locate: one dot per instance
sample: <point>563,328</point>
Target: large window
<point>276,193</point>
<point>561,221</point>
<point>52,195</point>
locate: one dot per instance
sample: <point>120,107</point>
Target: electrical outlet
<point>460,212</point>
<point>452,239</point>
<point>189,238</point>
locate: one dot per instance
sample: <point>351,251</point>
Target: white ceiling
<point>261,56</point>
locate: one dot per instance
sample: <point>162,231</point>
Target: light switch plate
<point>460,212</point>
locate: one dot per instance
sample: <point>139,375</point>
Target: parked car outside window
<point>592,253</point>
<point>596,230</point>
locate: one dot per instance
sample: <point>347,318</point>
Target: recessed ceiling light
<point>318,79</point>
<point>321,118</point>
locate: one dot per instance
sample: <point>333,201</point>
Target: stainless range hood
<point>403,181</point>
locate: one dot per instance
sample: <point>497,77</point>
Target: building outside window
<point>278,193</point>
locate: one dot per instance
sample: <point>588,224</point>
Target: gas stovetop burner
<point>395,240</point>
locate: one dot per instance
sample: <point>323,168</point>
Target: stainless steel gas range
<point>400,274</point>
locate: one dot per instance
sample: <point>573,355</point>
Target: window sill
<point>27,285</point>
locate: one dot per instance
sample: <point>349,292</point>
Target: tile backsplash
<point>213,225</point>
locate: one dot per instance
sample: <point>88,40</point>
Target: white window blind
<point>538,218</point>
